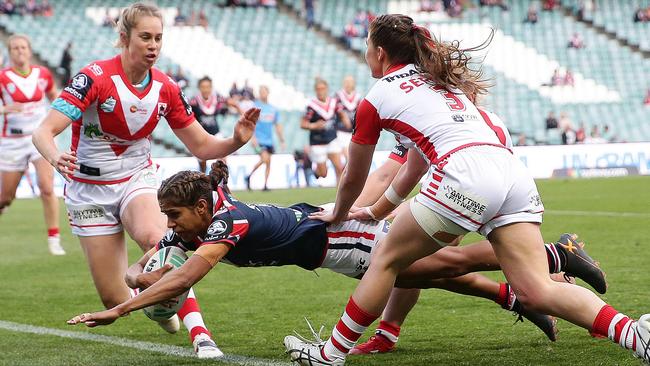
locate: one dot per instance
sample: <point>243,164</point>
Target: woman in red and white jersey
<point>474,183</point>
<point>26,89</point>
<point>113,106</point>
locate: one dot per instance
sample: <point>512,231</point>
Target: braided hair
<point>187,187</point>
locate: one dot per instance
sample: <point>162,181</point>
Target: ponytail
<point>219,175</point>
<point>444,63</point>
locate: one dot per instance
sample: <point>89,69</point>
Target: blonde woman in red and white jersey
<point>113,106</point>
<point>26,89</point>
<point>474,183</point>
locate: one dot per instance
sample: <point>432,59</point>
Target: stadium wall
<point>563,161</point>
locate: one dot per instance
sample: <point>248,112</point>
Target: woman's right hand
<point>65,163</point>
<point>147,279</point>
<point>12,108</point>
<point>319,125</point>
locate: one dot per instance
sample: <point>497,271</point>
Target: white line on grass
<point>598,213</point>
<point>140,345</point>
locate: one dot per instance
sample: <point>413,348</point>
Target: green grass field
<point>250,310</point>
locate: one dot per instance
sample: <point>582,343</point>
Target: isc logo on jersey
<point>217,227</point>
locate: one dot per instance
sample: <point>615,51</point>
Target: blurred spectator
<point>268,3</point>
<point>454,8</point>
<point>568,135</point>
<point>549,5</point>
<point>580,133</point>
<point>180,19</point>
<point>499,3</point>
<point>646,101</point>
<point>568,78</point>
<point>608,134</point>
<point>178,77</point>
<point>31,7</point>
<point>551,121</point>
<point>557,79</point>
<point>309,12</point>
<point>594,137</point>
<point>303,163</point>
<point>642,15</point>
<point>234,91</point>
<point>576,41</point>
<point>522,140</point>
<point>564,121</point>
<point>66,63</point>
<point>429,6</point>
<point>203,19</point>
<point>531,16</point>
<point>107,21</point>
<point>46,9</point>
<point>8,7</point>
<point>585,7</point>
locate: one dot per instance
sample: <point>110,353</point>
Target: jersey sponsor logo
<point>109,105</point>
<point>79,86</point>
<point>92,129</point>
<point>458,118</point>
<point>536,200</point>
<point>96,69</point>
<point>11,88</point>
<point>217,227</point>
<point>390,79</point>
<point>186,103</point>
<point>399,150</point>
<point>87,214</point>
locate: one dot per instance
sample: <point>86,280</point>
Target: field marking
<point>130,343</point>
<point>598,213</point>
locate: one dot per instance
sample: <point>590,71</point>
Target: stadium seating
<point>269,46</point>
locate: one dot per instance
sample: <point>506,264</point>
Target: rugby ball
<point>176,257</point>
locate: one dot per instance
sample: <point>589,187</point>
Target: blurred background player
<point>320,120</point>
<point>263,139</point>
<point>26,89</point>
<point>112,182</point>
<point>207,107</point>
<point>348,101</point>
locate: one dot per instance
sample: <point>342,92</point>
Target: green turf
<point>249,310</point>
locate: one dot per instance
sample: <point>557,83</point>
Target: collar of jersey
<point>393,68</point>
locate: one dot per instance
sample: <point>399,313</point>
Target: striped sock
<point>388,331</point>
<point>507,298</point>
<point>190,314</point>
<point>556,260</point>
<point>347,331</point>
<point>616,326</point>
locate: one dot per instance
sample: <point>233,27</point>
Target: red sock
<point>388,331</point>
<point>616,326</point>
<point>347,331</point>
<point>190,314</point>
<point>53,231</point>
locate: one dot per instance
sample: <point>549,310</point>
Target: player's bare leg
<point>146,225</point>
<point>525,267</point>
<point>45,174</point>
<point>107,260</point>
<point>335,158</point>
<point>266,157</point>
<point>8,184</point>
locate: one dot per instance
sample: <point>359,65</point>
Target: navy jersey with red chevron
<point>261,234</point>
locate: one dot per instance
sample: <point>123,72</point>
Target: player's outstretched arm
<point>172,284</point>
<point>205,146</point>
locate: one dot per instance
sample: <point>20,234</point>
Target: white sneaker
<point>308,354</point>
<point>54,245</point>
<point>205,347</point>
<point>171,325</point>
<point>642,336</point>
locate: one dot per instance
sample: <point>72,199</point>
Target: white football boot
<point>308,354</point>
<point>642,337</point>
<point>205,347</point>
<point>171,325</point>
<point>54,245</point>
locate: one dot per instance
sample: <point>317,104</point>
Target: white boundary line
<point>597,213</point>
<point>140,345</point>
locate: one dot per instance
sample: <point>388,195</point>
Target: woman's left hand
<point>105,317</point>
<point>245,127</point>
<point>326,216</point>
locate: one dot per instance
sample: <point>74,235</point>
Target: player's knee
<point>46,191</point>
<point>149,239</point>
<point>535,298</point>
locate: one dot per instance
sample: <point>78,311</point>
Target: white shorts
<point>343,139</point>
<point>318,153</point>
<point>350,245</point>
<point>16,153</point>
<point>95,209</point>
<point>481,188</point>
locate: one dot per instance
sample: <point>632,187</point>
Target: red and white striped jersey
<point>112,136</point>
<point>30,91</point>
<point>436,121</point>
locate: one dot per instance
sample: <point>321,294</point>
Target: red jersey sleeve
<point>47,75</point>
<point>82,89</point>
<point>180,113</point>
<point>367,124</point>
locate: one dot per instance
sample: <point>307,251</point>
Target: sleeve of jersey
<point>171,240</point>
<point>367,124</point>
<point>180,113</point>
<point>81,91</point>
<point>225,230</point>
<point>50,80</point>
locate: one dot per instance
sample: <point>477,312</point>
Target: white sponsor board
<point>542,161</point>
